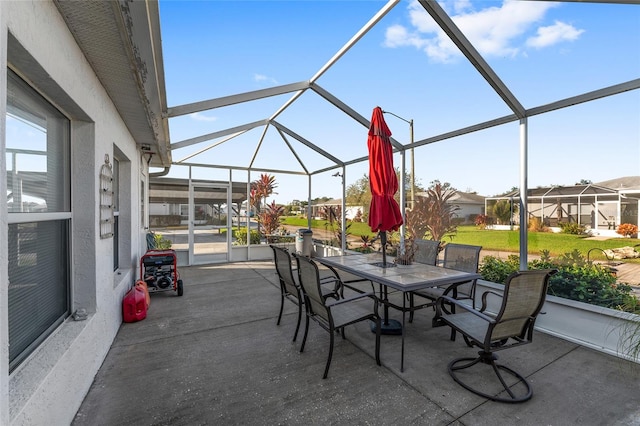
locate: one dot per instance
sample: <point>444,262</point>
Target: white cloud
<point>199,117</point>
<point>556,33</point>
<point>261,77</point>
<point>397,35</point>
<point>494,31</point>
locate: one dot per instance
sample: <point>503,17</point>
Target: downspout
<point>160,174</point>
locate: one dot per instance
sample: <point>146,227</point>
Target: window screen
<point>38,198</point>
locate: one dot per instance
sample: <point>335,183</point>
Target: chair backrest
<point>310,282</point>
<point>462,257</point>
<point>524,295</point>
<point>427,251</point>
<point>282,260</point>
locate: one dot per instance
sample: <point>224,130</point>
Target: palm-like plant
<point>433,214</point>
<point>270,217</point>
<point>260,190</point>
<point>504,210</point>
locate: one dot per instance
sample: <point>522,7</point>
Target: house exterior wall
<point>49,386</point>
<point>467,210</point>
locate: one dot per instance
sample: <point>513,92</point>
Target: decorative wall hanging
<point>106,199</point>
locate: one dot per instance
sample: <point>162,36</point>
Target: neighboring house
<point>81,124</point>
<point>470,204</point>
<point>350,211</point>
<point>600,207</point>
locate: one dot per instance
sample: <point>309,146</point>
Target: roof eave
<point>123,46</point>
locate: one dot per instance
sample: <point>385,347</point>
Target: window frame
<point>34,102</point>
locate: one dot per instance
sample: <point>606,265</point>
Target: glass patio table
<point>405,278</point>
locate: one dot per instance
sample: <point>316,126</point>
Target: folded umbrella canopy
<point>384,211</point>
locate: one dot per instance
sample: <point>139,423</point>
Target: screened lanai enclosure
<point>599,209</point>
<point>483,103</point>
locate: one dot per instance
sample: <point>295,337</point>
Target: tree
<point>433,214</point>
<point>444,186</point>
<point>359,193</point>
<point>584,182</point>
<point>504,210</point>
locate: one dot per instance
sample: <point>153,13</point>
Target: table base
<point>392,327</point>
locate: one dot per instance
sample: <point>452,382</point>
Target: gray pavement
<point>216,357</point>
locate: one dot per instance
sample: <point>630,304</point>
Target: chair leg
<point>326,369</point>
<point>378,327</point>
<point>490,359</point>
<point>306,331</point>
<point>281,308</point>
<point>295,335</point>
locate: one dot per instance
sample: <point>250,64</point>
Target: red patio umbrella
<point>384,212</point>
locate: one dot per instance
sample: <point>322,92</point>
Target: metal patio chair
<point>289,287</point>
<point>334,315</point>
<point>524,295</point>
<point>426,253</point>
<point>461,257</point>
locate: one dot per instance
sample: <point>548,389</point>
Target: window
<point>38,197</point>
<point>116,213</point>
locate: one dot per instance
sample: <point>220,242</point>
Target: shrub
<point>572,228</point>
<point>482,220</point>
<point>536,225</point>
<point>497,270</point>
<point>270,217</point>
<point>433,214</point>
<point>241,236</point>
<point>577,279</point>
<point>627,230</point>
<point>161,243</point>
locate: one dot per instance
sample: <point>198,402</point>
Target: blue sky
<point>542,51</point>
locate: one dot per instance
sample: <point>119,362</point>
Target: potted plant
<point>406,258</point>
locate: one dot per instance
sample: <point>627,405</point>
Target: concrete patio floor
<point>216,356</point>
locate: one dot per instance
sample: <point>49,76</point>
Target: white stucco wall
<point>50,385</point>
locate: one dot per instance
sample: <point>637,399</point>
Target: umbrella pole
<point>383,242</point>
<point>387,326</point>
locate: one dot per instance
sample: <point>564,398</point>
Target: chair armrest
<point>370,295</point>
<point>484,298</point>
<point>357,296</point>
<point>345,282</point>
<point>447,299</point>
<point>454,287</point>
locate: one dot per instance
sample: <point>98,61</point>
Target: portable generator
<point>159,269</point>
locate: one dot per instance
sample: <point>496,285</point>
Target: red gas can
<point>134,305</point>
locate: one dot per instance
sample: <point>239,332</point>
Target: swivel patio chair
<point>426,253</point>
<point>461,257</point>
<point>289,288</point>
<point>334,315</point>
<point>524,295</point>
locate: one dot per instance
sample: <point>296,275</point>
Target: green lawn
<point>557,244</point>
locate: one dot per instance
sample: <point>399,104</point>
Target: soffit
<point>121,41</point>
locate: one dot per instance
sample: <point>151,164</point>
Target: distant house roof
<point>627,182</point>
<point>460,197</point>
<point>467,198</point>
<point>332,202</point>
